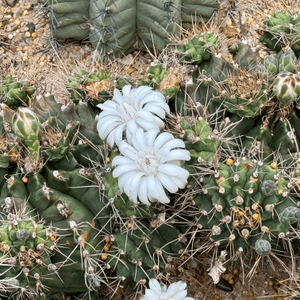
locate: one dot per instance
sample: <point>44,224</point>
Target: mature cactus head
<point>244,93</point>
<point>247,203</point>
<point>282,30</point>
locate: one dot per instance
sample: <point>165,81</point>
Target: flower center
<point>149,163</point>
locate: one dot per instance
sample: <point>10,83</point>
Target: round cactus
<point>247,202</point>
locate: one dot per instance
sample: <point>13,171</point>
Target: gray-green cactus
<point>114,26</point>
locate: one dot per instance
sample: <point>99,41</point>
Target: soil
<point>28,51</point>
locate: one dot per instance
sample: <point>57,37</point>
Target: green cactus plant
<point>114,26</point>
<point>15,93</point>
<point>96,85</point>
<point>247,203</point>
<point>199,48</point>
<point>69,19</point>
<point>282,30</point>
<point>165,81</point>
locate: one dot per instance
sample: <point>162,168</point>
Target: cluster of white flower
<point>176,291</point>
<point>150,161</point>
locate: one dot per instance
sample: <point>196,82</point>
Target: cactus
<point>200,140</point>
<point>96,85</point>
<point>244,93</point>
<point>69,18</point>
<point>199,48</point>
<point>247,203</point>
<point>282,30</point>
<point>14,93</point>
<point>116,24</point>
<point>167,82</point>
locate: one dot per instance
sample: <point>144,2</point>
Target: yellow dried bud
<point>273,165</point>
<point>229,162</point>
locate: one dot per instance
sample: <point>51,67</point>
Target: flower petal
<point>167,182</point>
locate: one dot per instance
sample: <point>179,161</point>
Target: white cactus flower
<point>149,163</point>
<point>143,105</point>
<point>157,291</point>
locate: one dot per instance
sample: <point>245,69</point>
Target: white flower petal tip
<point>144,170</point>
<point>142,106</point>
<point>157,291</point>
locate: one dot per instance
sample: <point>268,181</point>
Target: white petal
<point>128,150</point>
<point>107,105</point>
<point>155,286</point>
<point>167,182</point>
<point>106,128</point>
<point>162,198</point>
<point>150,136</point>
<point>158,122</point>
<point>126,90</point>
<point>147,125</point>
<point>123,179</point>
<point>138,140</point>
<point>124,168</point>
<point>180,295</point>
<point>152,188</point>
<point>151,295</point>
<point>159,111</point>
<point>173,170</point>
<point>172,289</point>
<point>177,154</point>
<point>111,139</point>
<point>174,143</point>
<point>119,134</point>
<point>121,160</point>
<point>162,139</point>
<point>143,191</point>
<point>180,182</point>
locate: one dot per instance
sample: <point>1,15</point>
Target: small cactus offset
<point>165,81</point>
<point>199,48</point>
<point>96,85</point>
<point>15,93</point>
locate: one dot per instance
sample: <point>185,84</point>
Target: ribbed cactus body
<point>114,26</point>
<point>69,18</point>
